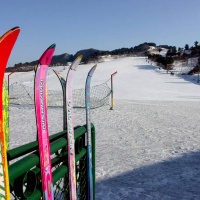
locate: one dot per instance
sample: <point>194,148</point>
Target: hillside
<point>89,55</point>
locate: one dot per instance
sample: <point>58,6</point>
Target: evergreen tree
<point>186,47</point>
<point>196,43</point>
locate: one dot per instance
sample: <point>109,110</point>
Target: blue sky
<point>101,24</point>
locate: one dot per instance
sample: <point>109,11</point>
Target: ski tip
<point>8,41</point>
<point>56,72</point>
<point>14,28</point>
<point>76,63</point>
<point>92,70</point>
<point>79,57</point>
<point>46,57</point>
<point>94,67</point>
<point>53,46</point>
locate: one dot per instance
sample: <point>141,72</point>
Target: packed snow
<point>147,147</point>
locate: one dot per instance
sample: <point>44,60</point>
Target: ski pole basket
<point>24,167</point>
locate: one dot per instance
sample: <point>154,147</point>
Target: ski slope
<point>148,146</point>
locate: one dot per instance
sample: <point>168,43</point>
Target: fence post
<point>112,99</point>
<point>198,75</point>
<point>9,82</point>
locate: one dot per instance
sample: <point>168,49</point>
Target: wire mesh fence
<point>24,95</point>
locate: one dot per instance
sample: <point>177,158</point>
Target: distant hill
<point>89,55</point>
<point>87,52</point>
<point>62,59</point>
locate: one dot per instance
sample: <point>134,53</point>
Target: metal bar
<point>22,166</point>
<point>32,146</point>
<point>9,82</point>
<point>112,98</point>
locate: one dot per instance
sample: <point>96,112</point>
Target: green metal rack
<point>24,167</point>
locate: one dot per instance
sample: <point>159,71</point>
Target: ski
<point>88,125</point>
<point>42,122</point>
<point>6,113</point>
<point>63,84</point>
<point>7,42</point>
<point>70,128</point>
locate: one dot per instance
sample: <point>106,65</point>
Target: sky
<point>75,25</point>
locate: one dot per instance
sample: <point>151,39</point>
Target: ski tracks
<point>135,136</point>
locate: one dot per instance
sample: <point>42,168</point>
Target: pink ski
<point>42,123</point>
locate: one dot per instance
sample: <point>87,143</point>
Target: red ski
<point>7,42</point>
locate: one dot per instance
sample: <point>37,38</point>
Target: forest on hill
<point>162,54</point>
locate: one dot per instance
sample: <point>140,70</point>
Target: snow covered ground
<point>148,147</point>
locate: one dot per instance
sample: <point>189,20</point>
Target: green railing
<point>24,167</point>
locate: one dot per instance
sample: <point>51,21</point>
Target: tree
<point>174,50</point>
<point>179,49</point>
<point>198,62</point>
<point>165,60</point>
<point>186,47</point>
<point>196,43</point>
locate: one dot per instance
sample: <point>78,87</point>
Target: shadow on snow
<point>146,67</point>
<point>176,178</point>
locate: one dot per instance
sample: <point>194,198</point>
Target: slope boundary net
<point>21,94</point>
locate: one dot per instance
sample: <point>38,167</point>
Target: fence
<point>24,95</point>
<point>24,168</point>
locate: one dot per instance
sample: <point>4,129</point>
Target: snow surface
<point>148,146</point>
